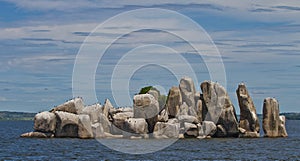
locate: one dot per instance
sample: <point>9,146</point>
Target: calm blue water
<point>12,147</point>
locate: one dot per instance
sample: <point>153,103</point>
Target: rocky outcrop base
<point>186,114</point>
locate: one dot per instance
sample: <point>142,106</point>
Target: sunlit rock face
<point>187,90</point>
<point>185,114</point>
<point>146,106</point>
<point>219,109</point>
<point>174,102</point>
<point>273,125</point>
<point>45,122</point>
<point>74,106</point>
<point>248,117</point>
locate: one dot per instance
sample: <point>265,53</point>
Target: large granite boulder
<point>188,118</point>
<point>98,131</point>
<point>45,122</point>
<point>219,109</point>
<point>146,106</point>
<point>281,129</point>
<point>135,127</point>
<point>187,89</point>
<point>74,106</point>
<point>164,130</point>
<point>174,101</point>
<point>248,117</point>
<point>66,125</point>
<point>93,111</point>
<point>271,117</point>
<point>190,130</point>
<point>85,127</point>
<point>206,129</point>
<point>273,125</point>
<point>117,125</point>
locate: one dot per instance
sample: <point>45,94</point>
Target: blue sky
<point>39,40</point>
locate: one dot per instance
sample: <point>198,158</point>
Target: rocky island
<point>186,113</point>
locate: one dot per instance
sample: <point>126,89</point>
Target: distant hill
<point>6,115</point>
<point>291,116</point>
<point>288,116</point>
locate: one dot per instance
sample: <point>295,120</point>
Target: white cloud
<point>3,99</point>
<point>39,62</point>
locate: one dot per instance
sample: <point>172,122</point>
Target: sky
<point>258,42</point>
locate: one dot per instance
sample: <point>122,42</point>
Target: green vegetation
<point>11,116</point>
<point>146,90</point>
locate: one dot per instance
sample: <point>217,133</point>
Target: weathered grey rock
<point>228,120</point>
<point>183,109</point>
<point>163,116</point>
<point>173,121</point>
<point>154,93</point>
<point>84,127</point>
<point>135,127</point>
<point>45,122</point>
<point>271,118</point>
<point>98,131</point>
<point>66,125</point>
<point>187,89</point>
<point>114,111</point>
<point>242,131</point>
<point>199,110</point>
<point>219,109</point>
<point>192,111</point>
<point>197,96</point>
<point>249,134</point>
<point>107,107</point>
<point>281,129</point>
<point>188,119</point>
<point>207,128</point>
<point>106,124</point>
<point>117,125</point>
<point>37,135</point>
<point>146,106</point>
<point>174,101</point>
<point>248,117</point>
<point>221,131</point>
<point>191,130</point>
<point>164,130</point>
<point>74,106</point>
<point>93,111</point>
<point>121,109</point>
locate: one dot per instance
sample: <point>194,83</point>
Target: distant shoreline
<point>16,116</point>
<point>27,116</point>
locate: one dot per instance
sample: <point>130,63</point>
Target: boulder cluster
<point>185,114</point>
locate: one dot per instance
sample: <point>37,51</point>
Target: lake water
<point>12,147</point>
